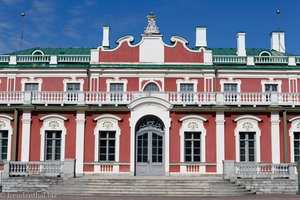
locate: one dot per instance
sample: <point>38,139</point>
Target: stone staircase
<point>149,186</point>
<point>262,186</point>
<point>29,184</point>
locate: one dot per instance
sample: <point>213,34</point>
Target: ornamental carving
<point>193,125</point>
<point>53,124</point>
<point>2,124</point>
<point>151,28</point>
<point>298,126</point>
<point>107,125</point>
<point>247,126</point>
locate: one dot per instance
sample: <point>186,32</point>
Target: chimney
<point>201,36</point>
<point>278,41</point>
<point>105,41</point>
<point>241,44</point>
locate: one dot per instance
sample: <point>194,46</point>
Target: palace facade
<point>151,108</point>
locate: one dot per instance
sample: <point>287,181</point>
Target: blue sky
<point>78,23</point>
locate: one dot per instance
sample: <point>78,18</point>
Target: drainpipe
<point>285,155</point>
<point>16,125</point>
<point>88,73</point>
<point>216,78</point>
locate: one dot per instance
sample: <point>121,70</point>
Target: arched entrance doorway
<point>149,156</point>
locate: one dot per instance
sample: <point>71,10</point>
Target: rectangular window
<point>192,146</point>
<point>107,145</point>
<point>116,90</point>
<point>270,88</point>
<point>296,146</point>
<point>3,143</point>
<point>247,147</point>
<point>31,87</point>
<point>53,145</point>
<point>230,90</point>
<point>187,92</point>
<point>73,87</point>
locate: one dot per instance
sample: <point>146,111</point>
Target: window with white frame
<point>116,90</point>
<point>247,146</point>
<point>6,132</point>
<point>31,87</point>
<point>296,146</point>
<point>192,140</point>
<point>107,140</point>
<point>187,92</point>
<point>3,144</point>
<point>53,137</point>
<point>192,146</point>
<point>247,138</point>
<point>230,88</point>
<point>53,145</point>
<point>107,145</point>
<point>72,87</point>
<point>270,86</point>
<point>151,87</point>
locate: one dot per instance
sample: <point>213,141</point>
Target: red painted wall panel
<point>35,139</point>
<point>179,53</point>
<point>265,140</point>
<point>174,168</point>
<point>123,53</point>
<point>3,84</point>
<point>170,84</point>
<point>210,127</point>
<point>124,168</point>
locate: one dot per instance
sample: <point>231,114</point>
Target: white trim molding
<point>26,126</point>
<point>193,123</point>
<point>107,122</point>
<point>187,80</point>
<point>5,124</point>
<point>116,80</point>
<point>247,123</point>
<point>295,127</point>
<point>275,137</point>
<point>231,81</point>
<point>31,80</point>
<point>53,122</point>
<point>80,125</point>
<point>220,141</point>
<point>151,79</point>
<point>150,106</point>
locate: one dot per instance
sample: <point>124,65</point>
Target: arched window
<point>247,138</point>
<point>151,87</point>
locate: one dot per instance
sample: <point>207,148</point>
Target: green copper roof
<point>54,51</point>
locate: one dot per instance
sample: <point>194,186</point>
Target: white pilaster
<point>26,123</point>
<point>275,136</point>
<point>80,120</point>
<point>220,120</point>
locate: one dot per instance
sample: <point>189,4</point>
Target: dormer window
<point>38,53</point>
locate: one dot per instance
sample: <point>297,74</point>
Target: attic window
<point>37,53</point>
<point>264,53</point>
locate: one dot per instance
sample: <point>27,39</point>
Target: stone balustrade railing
<point>35,168</point>
<point>175,98</point>
<point>217,59</point>
<point>252,170</point>
<point>63,169</point>
<point>4,59</point>
<point>271,59</point>
<point>230,59</point>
